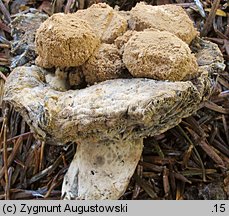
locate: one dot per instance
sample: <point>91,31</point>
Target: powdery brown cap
<point>104,20</point>
<point>159,55</point>
<point>104,64</point>
<point>170,18</point>
<point>64,40</point>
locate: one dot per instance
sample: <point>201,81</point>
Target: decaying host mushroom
<point>159,55</point>
<point>109,120</point>
<point>170,18</point>
<point>208,55</point>
<point>64,40</point>
<point>106,63</point>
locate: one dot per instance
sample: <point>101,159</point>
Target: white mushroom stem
<point>101,170</point>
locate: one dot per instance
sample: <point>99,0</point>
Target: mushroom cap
<point>104,64</point>
<point>159,55</point>
<point>105,21</point>
<point>111,110</point>
<point>169,17</point>
<point>64,40</point>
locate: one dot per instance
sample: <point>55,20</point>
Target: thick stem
<point>101,170</point>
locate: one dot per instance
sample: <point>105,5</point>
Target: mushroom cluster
<point>105,44</point>
<point>143,79</point>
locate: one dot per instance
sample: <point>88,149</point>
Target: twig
<point>215,107</point>
<point>210,18</point>
<point>5,12</point>
<point>12,155</point>
<point>225,128</point>
<point>41,156</point>
<point>1,133</point>
<point>166,181</point>
<point>3,76</point>
<point>5,27</point>
<point>4,60</point>
<point>4,40</point>
<point>5,168</point>
<point>196,152</point>
<point>181,178</point>
<point>56,181</point>
<point>46,171</point>
<point>23,136</point>
<point>7,46</point>
<point>10,171</point>
<point>145,186</point>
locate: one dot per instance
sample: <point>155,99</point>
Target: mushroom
<point>159,55</point>
<point>108,121</point>
<point>64,40</point>
<point>171,18</point>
